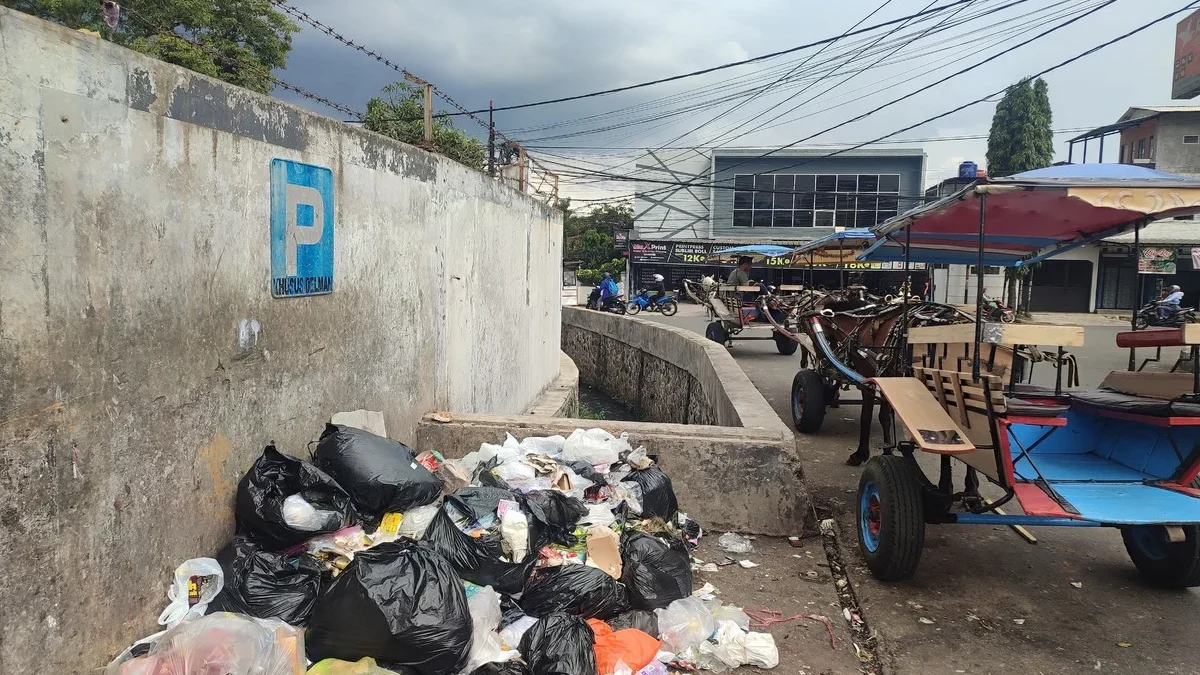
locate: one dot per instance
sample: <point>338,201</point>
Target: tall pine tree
<point>1021,138</point>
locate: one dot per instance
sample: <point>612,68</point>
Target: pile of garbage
<point>548,556</point>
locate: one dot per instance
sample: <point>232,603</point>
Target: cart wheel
<point>632,308</point>
<point>808,401</point>
<point>785,344</point>
<point>1161,562</point>
<point>717,333</point>
<point>669,308</point>
<point>891,518</point>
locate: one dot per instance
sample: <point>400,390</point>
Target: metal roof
<point>1133,112</point>
<point>1162,233</point>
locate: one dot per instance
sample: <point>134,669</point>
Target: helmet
<point>658,277</point>
<point>606,275</point>
<point>1173,288</point>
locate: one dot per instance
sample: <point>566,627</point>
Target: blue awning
<point>768,250</point>
<point>845,238</point>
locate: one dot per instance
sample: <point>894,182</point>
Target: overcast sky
<point>520,51</point>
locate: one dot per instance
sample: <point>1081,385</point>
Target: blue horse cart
<point>1125,455</point>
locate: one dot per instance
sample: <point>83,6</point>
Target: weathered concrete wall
<point>671,374</point>
<point>143,360</point>
<point>743,475</point>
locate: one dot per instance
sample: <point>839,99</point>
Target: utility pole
<point>520,168</point>
<point>491,141</point>
<point>428,106</point>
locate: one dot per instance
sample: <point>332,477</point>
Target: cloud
<point>529,50</point>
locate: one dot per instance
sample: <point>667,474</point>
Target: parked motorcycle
<point>1002,314</point>
<point>1148,316</point>
<point>643,300</point>
<point>615,304</point>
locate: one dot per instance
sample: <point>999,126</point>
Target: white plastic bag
<point>514,530</point>
<point>510,635</point>
<point>537,445</point>
<point>486,646</point>
<point>226,643</point>
<point>210,578</point>
<point>761,650</point>
<point>598,514</point>
<point>726,650</point>
<point>510,442</point>
<point>684,623</point>
<point>594,446</point>
<point>298,513</point>
<point>417,520</point>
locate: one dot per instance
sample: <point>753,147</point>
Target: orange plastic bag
<point>629,646</point>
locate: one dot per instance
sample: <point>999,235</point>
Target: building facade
<point>691,203</point>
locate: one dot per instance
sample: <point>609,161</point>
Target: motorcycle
<point>666,304</point>
<point>1001,313</point>
<point>615,304</point>
<point>1148,316</point>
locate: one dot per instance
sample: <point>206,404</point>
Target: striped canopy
<point>1034,215</point>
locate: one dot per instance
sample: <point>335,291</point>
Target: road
<point>997,604</point>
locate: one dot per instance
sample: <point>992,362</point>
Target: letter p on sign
<point>301,229</point>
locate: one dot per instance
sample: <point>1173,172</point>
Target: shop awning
<point>767,250</point>
<point>1035,215</point>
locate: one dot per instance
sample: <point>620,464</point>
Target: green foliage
<point>592,276</point>
<point>400,114</point>
<point>238,41</point>
<point>1021,138</point>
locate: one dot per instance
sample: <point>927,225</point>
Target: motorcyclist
<point>608,290</point>
<point>659,288</point>
<point>1169,305</point>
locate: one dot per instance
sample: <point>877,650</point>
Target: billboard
<point>1185,81</point>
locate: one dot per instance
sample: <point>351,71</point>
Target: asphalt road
<point>996,603</point>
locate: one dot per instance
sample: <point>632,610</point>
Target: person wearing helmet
<point>659,288</point>
<point>1169,305</point>
<point>608,290</point>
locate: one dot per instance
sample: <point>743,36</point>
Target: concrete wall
<point>671,374</point>
<point>734,467</point>
<point>143,360</point>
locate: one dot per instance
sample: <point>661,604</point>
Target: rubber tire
<point>1181,566</point>
<point>717,333</point>
<point>1140,323</point>
<point>785,344</point>
<point>632,308</point>
<point>807,386</point>
<point>620,308</point>
<point>1008,318</point>
<point>669,308</point>
<point>902,518</point>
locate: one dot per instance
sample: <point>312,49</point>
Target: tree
<point>587,237</point>
<point>1021,139</point>
<point>238,41</point>
<point>400,114</point>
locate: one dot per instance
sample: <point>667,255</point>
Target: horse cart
<point>1123,456</point>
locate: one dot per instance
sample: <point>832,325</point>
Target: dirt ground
<point>789,581</point>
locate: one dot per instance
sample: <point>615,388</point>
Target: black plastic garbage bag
<point>269,483</point>
<point>266,584</point>
<point>477,502</point>
<point>560,644</point>
<point>510,611</point>
<point>654,573</point>
<point>658,499</point>
<point>505,668</point>
<point>639,619</point>
<point>381,475</point>
<point>575,589</point>
<point>587,471</point>
<point>562,512</point>
<point>397,602</point>
<point>477,560</point>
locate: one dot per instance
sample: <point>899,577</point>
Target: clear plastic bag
<point>301,515</point>
<point>549,445</point>
<point>728,613</point>
<point>510,635</point>
<point>417,520</point>
<point>209,579</point>
<point>684,623</point>
<point>732,542</point>
<point>230,644</point>
<point>486,645</point>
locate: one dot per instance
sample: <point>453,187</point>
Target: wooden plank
<point>1157,337</point>
<point>960,402</point>
<point>1008,334</point>
<point>791,287</point>
<point>1163,386</point>
<point>1191,334</point>
<point>928,425</point>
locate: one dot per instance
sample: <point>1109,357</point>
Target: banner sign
<point>703,253</point>
<point>1156,260</point>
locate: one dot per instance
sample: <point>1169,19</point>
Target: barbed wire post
<point>491,163</point>
<point>428,88</point>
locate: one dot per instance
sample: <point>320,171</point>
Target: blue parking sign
<point>301,229</point>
